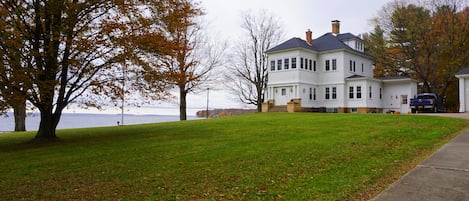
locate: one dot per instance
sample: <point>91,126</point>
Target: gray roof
<point>290,44</point>
<point>355,76</point>
<point>346,36</point>
<point>394,78</point>
<point>463,71</point>
<point>325,42</point>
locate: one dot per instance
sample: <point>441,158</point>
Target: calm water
<point>79,120</point>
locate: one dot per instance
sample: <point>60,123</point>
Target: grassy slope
<point>258,156</point>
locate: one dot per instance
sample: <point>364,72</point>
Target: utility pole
<point>123,92</point>
<point>208,89</point>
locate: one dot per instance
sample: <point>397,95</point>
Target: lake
<point>83,120</point>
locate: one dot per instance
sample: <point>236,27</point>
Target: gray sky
<point>297,16</point>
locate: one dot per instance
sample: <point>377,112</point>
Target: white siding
<point>298,82</point>
<point>393,94</point>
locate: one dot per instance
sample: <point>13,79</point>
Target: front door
<point>405,107</point>
<point>282,95</point>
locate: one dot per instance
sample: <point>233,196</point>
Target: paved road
<point>443,176</point>
<point>455,115</point>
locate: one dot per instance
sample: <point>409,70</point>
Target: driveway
<point>443,176</point>
<point>455,115</point>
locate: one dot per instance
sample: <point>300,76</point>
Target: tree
<point>66,47</point>
<point>188,59</point>
<point>247,76</point>
<point>12,79</point>
<point>426,42</point>
<point>377,45</point>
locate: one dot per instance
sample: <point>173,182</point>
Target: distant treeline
<point>224,112</point>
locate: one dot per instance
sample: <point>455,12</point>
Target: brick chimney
<point>309,37</point>
<point>335,27</point>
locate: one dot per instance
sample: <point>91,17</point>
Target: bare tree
<point>247,75</point>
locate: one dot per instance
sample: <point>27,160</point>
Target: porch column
<point>462,94</point>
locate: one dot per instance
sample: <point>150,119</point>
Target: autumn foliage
<point>54,52</point>
<point>429,43</point>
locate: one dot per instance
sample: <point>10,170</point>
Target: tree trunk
<point>47,126</point>
<point>19,111</point>
<point>259,106</point>
<point>260,98</point>
<point>182,104</point>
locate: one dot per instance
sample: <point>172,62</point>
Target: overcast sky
<point>297,16</point>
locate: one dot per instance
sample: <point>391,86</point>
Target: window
<point>284,92</point>
<point>334,93</point>
<point>293,63</point>
<point>351,66</point>
<point>369,93</point>
<point>334,64</point>
<point>328,65</point>
<point>272,65</point>
<point>314,65</point>
<point>302,63</point>
<point>310,93</point>
<point>359,92</point>
<point>404,99</point>
<point>327,93</point>
<point>287,63</point>
<point>279,64</point>
<point>350,92</point>
<point>314,94</point>
<point>380,93</point>
<point>310,64</point>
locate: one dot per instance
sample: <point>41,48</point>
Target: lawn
<point>266,156</point>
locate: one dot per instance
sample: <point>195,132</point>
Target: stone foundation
<point>294,105</point>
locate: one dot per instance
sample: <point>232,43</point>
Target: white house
<point>331,73</point>
<point>463,77</point>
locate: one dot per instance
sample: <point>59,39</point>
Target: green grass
<point>301,156</point>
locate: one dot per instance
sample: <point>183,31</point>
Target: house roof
<point>346,36</point>
<point>361,77</point>
<point>326,42</point>
<point>463,71</point>
<point>355,76</point>
<point>383,79</point>
<point>396,79</point>
<point>290,44</point>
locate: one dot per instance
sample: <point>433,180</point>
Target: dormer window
<point>359,45</point>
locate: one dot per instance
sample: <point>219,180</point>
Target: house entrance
<point>282,95</point>
<point>404,104</point>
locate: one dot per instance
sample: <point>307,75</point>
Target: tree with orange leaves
<point>13,76</point>
<point>68,48</point>
<point>187,59</point>
<point>428,43</point>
